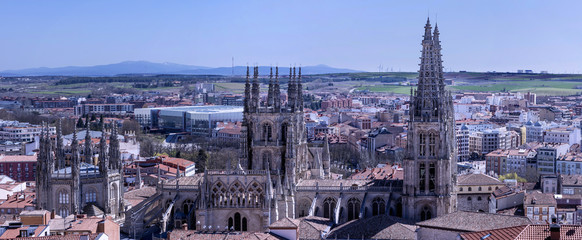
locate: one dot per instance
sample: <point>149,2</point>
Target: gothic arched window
<point>187,206</point>
<point>432,145</point>
<point>431,177</point>
<point>354,208</point>
<point>257,195</point>
<point>237,222</point>
<point>244,224</point>
<point>425,214</point>
<point>422,144</point>
<point>421,176</point>
<point>378,206</point>
<point>267,132</point>
<point>91,196</point>
<point>63,197</point>
<point>329,207</point>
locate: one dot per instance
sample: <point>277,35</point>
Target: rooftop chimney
<point>555,231</point>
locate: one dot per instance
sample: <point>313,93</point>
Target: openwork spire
<point>430,94</point>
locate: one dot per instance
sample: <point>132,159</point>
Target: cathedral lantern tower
<point>430,165</point>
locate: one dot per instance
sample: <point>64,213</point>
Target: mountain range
<point>144,67</point>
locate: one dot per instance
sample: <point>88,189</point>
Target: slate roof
<point>286,223</point>
<point>526,232</point>
<point>201,235</point>
<point>473,221</point>
<point>376,227</point>
<point>539,198</point>
<point>571,180</point>
<point>137,196</point>
<point>189,180</point>
<point>311,227</point>
<point>477,179</point>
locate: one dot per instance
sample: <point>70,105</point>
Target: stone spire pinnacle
<point>138,177</point>
<point>75,174</point>
<point>103,161</point>
<point>255,90</point>
<point>114,156</point>
<point>247,100</point>
<point>270,96</point>
<point>291,93</point>
<point>60,163</point>
<point>88,151</point>
<point>431,89</point>
<point>427,30</point>
<point>299,92</point>
<point>277,92</point>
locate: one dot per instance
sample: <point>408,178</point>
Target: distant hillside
<point>143,67</point>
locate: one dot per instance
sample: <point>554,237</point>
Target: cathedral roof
<point>333,182</point>
<point>190,180</point>
<point>377,227</point>
<point>473,221</point>
<point>137,196</point>
<point>203,235</point>
<point>285,223</point>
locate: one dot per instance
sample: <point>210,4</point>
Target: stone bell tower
<point>430,165</point>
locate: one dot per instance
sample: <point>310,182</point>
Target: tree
<point>130,126</point>
<point>80,123</point>
<point>93,118</point>
<point>202,160</point>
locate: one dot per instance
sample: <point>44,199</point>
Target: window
<point>470,189</point>
<point>469,199</point>
<point>460,190</point>
<point>421,174</point>
<point>422,149</point>
<point>432,145</point>
<point>479,188</point>
<point>479,198</point>
<point>329,207</point>
<point>91,196</point>
<point>431,175</point>
<point>63,197</point>
<point>378,206</point>
<point>489,189</point>
<point>425,214</point>
<point>353,209</point>
<point>536,210</point>
<point>267,132</point>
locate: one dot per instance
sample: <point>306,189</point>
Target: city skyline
<point>367,36</point>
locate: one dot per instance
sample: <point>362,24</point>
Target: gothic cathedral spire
<point>430,163</point>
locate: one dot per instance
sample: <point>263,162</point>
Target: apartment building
<point>539,207</point>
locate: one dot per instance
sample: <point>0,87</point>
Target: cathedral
<point>69,182</point>
<point>279,174</point>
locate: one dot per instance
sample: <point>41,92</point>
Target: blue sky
<point>476,35</point>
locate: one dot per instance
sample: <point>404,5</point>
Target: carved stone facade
<point>430,166</point>
<point>279,174</point>
<point>80,187</point>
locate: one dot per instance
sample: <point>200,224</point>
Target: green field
<point>540,87</point>
<point>386,88</point>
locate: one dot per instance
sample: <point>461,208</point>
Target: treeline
<point>139,79</point>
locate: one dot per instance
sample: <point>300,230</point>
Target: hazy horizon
<point>476,36</point>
